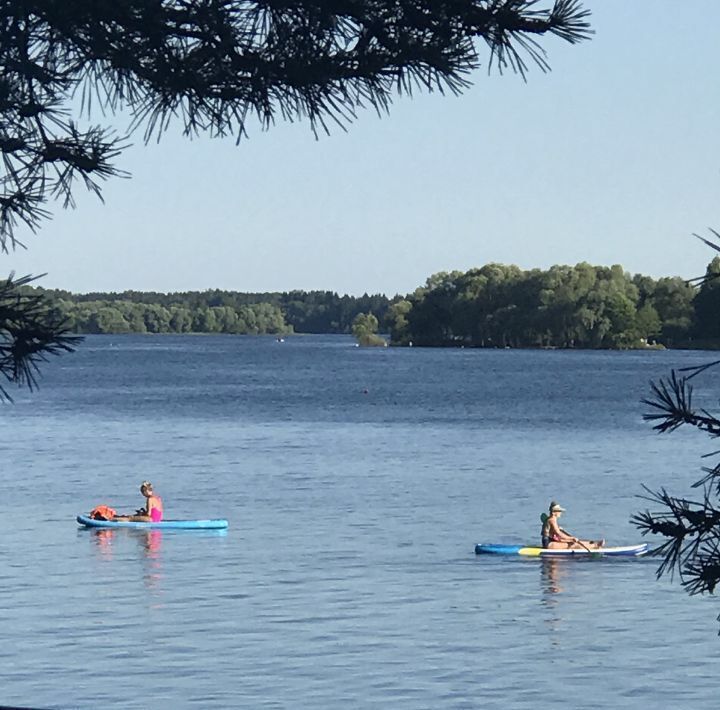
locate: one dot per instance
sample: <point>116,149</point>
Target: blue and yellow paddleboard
<point>528,551</point>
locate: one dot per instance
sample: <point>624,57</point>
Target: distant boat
<point>281,340</point>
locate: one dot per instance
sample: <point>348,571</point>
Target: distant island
<point>499,306</point>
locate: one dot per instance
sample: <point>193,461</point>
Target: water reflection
<point>151,541</point>
<point>104,542</point>
<point>148,541</point>
<point>552,572</point>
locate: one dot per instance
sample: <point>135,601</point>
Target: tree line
<point>580,306</point>
<point>497,305</point>
<point>213,311</point>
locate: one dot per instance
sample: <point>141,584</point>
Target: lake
<point>356,483</point>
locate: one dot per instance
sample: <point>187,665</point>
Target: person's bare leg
<point>593,544</point>
<point>580,545</point>
<point>133,518</point>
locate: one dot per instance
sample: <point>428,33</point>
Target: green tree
<point>430,319</point>
<point>566,306</point>
<point>482,307</point>
<point>707,304</point>
<point>157,318</point>
<point>107,319</point>
<point>398,322</point>
<point>227,319</point>
<point>205,321</point>
<point>648,322</point>
<point>269,319</point>
<point>621,312</point>
<point>364,328</point>
<point>133,313</point>
<point>181,320</point>
<point>673,300</point>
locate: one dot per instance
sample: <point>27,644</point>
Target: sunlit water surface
<point>356,483</point>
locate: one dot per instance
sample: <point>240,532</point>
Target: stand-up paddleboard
<point>218,524</point>
<point>528,551</point>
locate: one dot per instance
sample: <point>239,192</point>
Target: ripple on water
<point>347,577</point>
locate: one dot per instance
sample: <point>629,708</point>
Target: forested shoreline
<point>580,306</point>
<point>212,311</point>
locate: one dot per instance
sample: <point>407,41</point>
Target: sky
<point>611,158</point>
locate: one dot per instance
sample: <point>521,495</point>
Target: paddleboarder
<point>153,510</point>
<point>555,538</point>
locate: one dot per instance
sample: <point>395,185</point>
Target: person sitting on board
<point>153,510</point>
<point>555,538</point>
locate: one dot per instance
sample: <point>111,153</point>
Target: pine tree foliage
<point>30,330</point>
<point>214,64</point>
<point>690,525</point>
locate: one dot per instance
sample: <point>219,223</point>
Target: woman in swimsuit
<point>555,538</point>
<point>153,510</point>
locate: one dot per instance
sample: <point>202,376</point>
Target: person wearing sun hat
<point>555,538</point>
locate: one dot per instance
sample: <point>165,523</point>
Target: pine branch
<point>30,331</point>
<point>213,65</point>
<point>672,397</point>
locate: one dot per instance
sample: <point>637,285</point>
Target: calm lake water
<point>356,483</point>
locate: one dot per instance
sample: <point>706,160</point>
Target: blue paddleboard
<point>162,525</point>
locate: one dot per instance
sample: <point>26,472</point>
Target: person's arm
<point>568,534</point>
<point>560,533</point>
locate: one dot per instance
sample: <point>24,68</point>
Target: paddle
<point>579,542</point>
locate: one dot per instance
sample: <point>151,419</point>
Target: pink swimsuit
<point>156,513</point>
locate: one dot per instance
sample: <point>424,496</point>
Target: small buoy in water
<point>365,391</point>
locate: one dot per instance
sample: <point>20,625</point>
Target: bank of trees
<point>212,311</point>
<point>127,317</point>
<point>581,306</point>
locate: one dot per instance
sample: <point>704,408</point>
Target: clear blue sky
<point>613,157</point>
